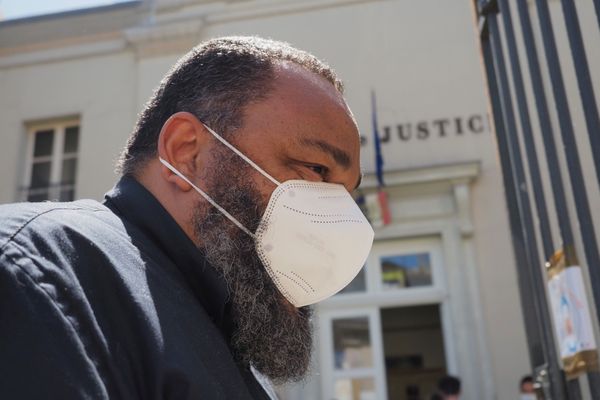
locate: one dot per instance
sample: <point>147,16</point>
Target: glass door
<point>353,355</point>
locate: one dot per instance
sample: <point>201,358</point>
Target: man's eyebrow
<point>340,156</point>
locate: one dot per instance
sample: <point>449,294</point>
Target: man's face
<point>302,130</point>
<point>527,387</point>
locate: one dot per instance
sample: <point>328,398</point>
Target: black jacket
<point>114,301</point>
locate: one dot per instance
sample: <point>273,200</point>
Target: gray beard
<point>268,333</point>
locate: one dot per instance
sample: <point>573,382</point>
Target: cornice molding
<point>62,52</point>
<point>173,26</point>
<point>167,38</point>
<point>265,8</point>
<point>452,173</point>
<point>454,177</point>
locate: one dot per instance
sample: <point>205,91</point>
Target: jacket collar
<point>132,202</point>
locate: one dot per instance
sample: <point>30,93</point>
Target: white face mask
<point>312,238</point>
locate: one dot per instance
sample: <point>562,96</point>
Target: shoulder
<point>52,239</point>
<point>47,317</point>
<point>25,219</point>
<point>71,251</point>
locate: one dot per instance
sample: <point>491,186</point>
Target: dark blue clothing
<point>111,300</point>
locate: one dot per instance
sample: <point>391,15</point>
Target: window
<point>398,269</point>
<point>405,270</point>
<point>52,161</point>
<point>358,284</point>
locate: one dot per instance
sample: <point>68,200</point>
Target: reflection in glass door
<point>354,355</point>
<point>352,343</point>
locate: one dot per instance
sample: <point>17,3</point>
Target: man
<point>526,388</point>
<point>192,279</point>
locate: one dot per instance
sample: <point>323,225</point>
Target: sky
<point>14,9</point>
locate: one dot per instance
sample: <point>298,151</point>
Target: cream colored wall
<point>100,90</point>
<point>420,71</point>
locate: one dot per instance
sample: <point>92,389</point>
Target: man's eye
<point>319,169</point>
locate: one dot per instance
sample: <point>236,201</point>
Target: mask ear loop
<point>243,156</point>
<point>207,197</point>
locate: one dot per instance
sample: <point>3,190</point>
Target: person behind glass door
<point>448,388</point>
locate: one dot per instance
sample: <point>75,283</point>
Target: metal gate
<point>516,86</point>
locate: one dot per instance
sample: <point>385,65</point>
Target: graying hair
<point>215,81</point>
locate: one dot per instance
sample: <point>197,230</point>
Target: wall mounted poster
<point>572,319</point>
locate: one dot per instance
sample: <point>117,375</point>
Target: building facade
<point>439,291</point>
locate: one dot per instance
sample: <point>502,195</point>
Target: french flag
<point>381,216</point>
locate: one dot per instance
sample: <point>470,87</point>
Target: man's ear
<point>182,141</point>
